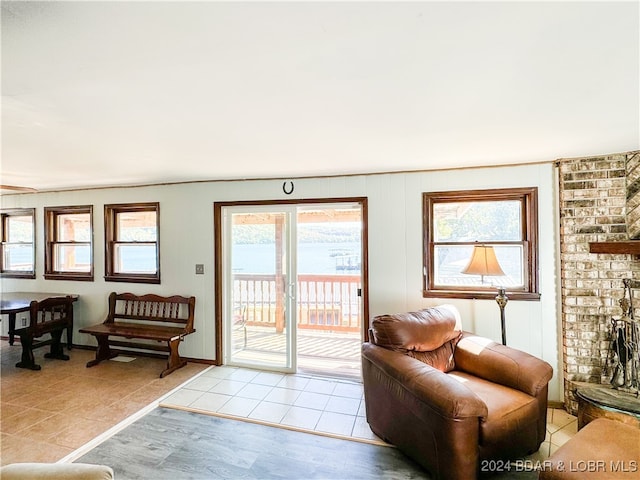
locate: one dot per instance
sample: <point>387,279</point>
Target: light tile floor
<point>306,402</point>
<point>319,404</point>
<point>561,426</point>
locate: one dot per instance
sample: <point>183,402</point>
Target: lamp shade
<point>483,262</point>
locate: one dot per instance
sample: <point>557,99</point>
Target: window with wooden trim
<point>503,222</point>
<point>17,231</point>
<point>132,242</point>
<point>68,234</point>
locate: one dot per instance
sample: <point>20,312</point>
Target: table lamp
<point>484,262</point>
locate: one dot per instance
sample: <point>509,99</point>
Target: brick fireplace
<point>596,205</point>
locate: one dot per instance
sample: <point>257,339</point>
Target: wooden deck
<point>318,351</point>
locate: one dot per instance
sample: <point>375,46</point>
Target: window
<point>456,222</point>
<point>68,234</point>
<point>132,242</point>
<point>17,259</point>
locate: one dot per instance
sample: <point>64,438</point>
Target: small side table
<point>603,401</point>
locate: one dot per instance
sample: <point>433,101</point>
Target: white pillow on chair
<point>56,471</point>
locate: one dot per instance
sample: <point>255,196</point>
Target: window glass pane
<point>448,264</point>
<point>511,260</point>
<point>136,227</point>
<point>135,258</point>
<point>18,257</point>
<point>20,228</point>
<point>477,221</point>
<point>74,227</point>
<point>72,258</point>
<point>449,261</point>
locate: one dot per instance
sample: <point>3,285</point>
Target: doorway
<point>291,290</point>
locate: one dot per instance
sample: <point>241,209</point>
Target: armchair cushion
<point>511,415</point>
<point>441,358</point>
<point>424,387</point>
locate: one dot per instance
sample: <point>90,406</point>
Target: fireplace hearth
<point>619,399</point>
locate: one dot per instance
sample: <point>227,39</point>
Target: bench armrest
<point>500,364</point>
<point>435,390</point>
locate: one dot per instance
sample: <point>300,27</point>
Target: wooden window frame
<point>111,213</point>
<point>5,214</point>
<point>528,198</point>
<point>51,240</point>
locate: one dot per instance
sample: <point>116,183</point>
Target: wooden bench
<point>145,317</point>
<point>51,316</point>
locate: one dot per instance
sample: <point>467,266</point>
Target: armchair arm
<point>501,364</point>
<point>434,389</point>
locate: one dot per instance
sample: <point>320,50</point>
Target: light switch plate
<point>199,269</point>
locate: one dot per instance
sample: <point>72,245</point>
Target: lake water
<point>318,258</point>
<point>313,258</point>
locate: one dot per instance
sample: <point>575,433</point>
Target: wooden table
<point>12,303</point>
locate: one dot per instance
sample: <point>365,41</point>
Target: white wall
<point>395,249</point>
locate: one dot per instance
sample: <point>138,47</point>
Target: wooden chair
<point>50,316</point>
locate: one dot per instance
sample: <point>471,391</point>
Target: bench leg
<point>12,327</point>
<point>70,329</point>
<point>56,346</point>
<point>103,352</point>
<point>174,362</point>
<point>27,361</point>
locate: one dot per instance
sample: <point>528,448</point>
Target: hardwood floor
<point>168,444</point>
<point>45,415</point>
<point>172,444</point>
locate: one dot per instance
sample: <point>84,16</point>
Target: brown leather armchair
<point>451,400</point>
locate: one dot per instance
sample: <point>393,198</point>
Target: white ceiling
<point>113,93</point>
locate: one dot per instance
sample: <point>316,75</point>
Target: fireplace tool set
<point>623,356</point>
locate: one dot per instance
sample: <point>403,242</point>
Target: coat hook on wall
<point>285,190</point>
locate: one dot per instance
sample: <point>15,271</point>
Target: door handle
<point>291,290</point>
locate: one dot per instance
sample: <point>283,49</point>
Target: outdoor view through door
<point>292,286</point>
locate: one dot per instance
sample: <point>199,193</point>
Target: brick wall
<point>593,208</point>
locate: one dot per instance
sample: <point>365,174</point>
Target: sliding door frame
<point>219,260</point>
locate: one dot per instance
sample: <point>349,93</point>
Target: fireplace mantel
<point>631,247</point>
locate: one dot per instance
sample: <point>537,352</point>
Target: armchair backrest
<point>429,335</point>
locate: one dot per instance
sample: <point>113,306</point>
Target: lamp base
<point>502,300</point>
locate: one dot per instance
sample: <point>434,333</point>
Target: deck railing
<point>325,302</point>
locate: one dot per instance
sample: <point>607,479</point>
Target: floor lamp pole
<point>502,300</point>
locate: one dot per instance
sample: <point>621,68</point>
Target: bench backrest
<point>50,314</point>
<point>152,308</point>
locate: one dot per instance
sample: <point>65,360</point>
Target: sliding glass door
<point>291,286</point>
<point>260,287</point>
